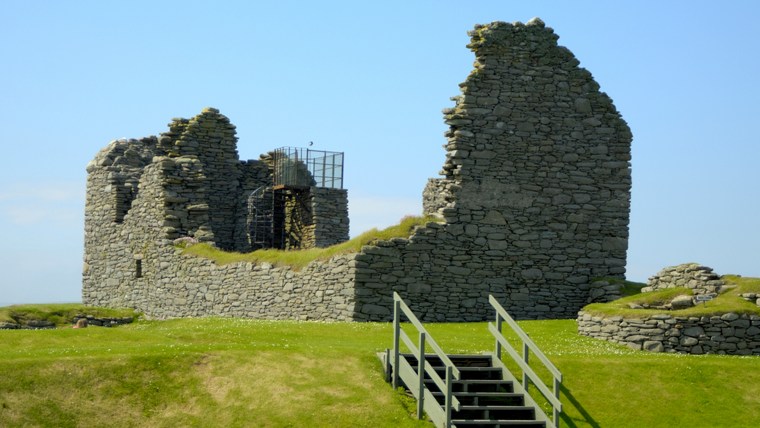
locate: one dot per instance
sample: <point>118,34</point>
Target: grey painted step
<point>459,360</point>
<point>473,373</point>
<point>523,413</point>
<point>482,373</point>
<point>476,385</point>
<point>497,423</point>
<point>485,398</point>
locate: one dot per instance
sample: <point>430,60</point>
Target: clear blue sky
<point>370,79</point>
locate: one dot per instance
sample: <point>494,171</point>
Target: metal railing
<point>523,361</point>
<point>302,167</point>
<point>415,379</point>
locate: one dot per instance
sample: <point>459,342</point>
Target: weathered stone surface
<point>697,277</point>
<point>693,335</point>
<point>729,316</point>
<point>682,302</point>
<point>695,331</point>
<point>653,346</point>
<point>523,158</point>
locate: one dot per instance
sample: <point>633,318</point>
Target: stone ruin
<point>699,278</point>
<point>189,182</point>
<point>718,333</point>
<point>533,208</point>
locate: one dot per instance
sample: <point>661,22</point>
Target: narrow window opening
<point>138,268</point>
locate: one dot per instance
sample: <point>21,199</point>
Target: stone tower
<point>142,194</point>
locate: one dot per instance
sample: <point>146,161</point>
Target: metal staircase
<point>265,218</point>
<point>471,390</point>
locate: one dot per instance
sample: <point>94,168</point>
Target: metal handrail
<point>552,396</point>
<point>422,394</point>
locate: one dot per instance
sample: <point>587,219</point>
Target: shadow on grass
<point>585,417</point>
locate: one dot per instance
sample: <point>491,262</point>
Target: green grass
<point>300,258</point>
<point>240,373</point>
<point>59,314</point>
<point>727,301</point>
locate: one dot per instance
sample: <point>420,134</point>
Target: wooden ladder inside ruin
<point>472,390</point>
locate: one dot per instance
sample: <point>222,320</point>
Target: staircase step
<point>496,423</point>
<point>473,373</point>
<point>476,385</point>
<point>523,413</point>
<point>459,360</point>
<point>485,398</point>
<point>482,373</point>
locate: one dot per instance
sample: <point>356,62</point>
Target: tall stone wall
<point>535,194</point>
<point>211,138</point>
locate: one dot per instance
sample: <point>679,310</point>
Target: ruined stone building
<point>533,206</point>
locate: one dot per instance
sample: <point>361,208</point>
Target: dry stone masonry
<point>536,188</point>
<point>734,334</point>
<point>722,333</point>
<point>533,207</point>
<point>187,183</point>
<point>700,279</point>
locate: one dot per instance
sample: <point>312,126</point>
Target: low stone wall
<point>103,322</point>
<point>44,324</point>
<point>173,285</point>
<point>733,334</point>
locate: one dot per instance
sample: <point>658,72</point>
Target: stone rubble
<point>700,279</point>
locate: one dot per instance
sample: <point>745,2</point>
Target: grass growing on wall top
<point>234,372</point>
<point>300,258</point>
<point>727,301</point>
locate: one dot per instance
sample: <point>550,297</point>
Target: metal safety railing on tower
<point>302,167</point>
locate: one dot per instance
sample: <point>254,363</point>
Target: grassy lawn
<point>232,372</point>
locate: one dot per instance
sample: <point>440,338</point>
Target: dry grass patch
<point>275,388</point>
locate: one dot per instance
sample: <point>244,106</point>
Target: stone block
<point>682,302</point>
<point>729,316</point>
<point>694,331</point>
<point>532,273</point>
<point>653,346</point>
